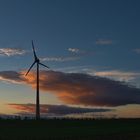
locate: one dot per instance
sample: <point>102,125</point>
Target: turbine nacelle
<point>37,60</point>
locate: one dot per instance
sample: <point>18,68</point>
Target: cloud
<point>82,89</point>
<point>61,59</point>
<point>76,55</point>
<point>11,76</point>
<point>11,51</point>
<point>55,109</point>
<point>103,42</point>
<point>79,52</point>
<point>117,75</point>
<point>137,50</point>
<point>74,50</point>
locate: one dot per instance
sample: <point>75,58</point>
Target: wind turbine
<point>37,62</point>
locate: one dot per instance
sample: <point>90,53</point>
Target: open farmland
<point>114,129</point>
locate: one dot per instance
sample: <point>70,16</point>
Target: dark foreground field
<point>121,129</point>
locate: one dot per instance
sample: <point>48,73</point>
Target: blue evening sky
<point>106,34</point>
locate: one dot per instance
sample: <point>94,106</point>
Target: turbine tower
<point>37,62</point>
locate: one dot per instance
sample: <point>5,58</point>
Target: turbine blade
<point>30,68</point>
<point>34,50</point>
<point>43,65</point>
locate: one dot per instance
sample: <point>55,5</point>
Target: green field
<point>115,129</point>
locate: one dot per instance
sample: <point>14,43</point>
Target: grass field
<point>115,129</point>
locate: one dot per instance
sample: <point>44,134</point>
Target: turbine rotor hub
<point>37,60</point>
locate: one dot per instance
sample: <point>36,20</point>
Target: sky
<point>91,46</point>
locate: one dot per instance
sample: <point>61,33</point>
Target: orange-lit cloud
<point>81,89</point>
<point>12,77</point>
<point>54,109</point>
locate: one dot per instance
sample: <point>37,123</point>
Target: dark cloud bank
<point>55,110</point>
<point>79,89</point>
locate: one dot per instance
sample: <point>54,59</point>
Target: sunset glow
<point>91,47</point>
